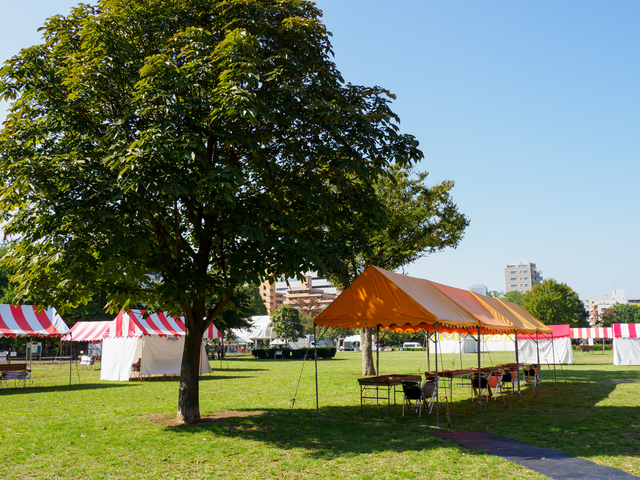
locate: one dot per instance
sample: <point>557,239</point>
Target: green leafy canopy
<point>171,151</point>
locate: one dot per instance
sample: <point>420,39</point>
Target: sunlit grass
<point>95,429</point>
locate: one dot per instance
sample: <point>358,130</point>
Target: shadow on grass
<point>576,418</point>
<point>62,388</point>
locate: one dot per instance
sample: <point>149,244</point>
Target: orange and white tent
<point>380,298</point>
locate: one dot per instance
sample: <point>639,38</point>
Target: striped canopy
<point>27,321</point>
<point>626,330</point>
<point>88,332</point>
<point>593,332</point>
<point>137,323</point>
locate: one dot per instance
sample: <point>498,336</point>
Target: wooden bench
<point>17,372</point>
<point>585,348</point>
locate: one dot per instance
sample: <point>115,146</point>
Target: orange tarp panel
<point>489,319</point>
<point>540,327</point>
<point>390,300</point>
<point>498,307</point>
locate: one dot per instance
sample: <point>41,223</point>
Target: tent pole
<point>315,357</point>
<point>428,353</point>
<point>378,349</point>
<point>515,339</point>
<point>553,352</point>
<point>539,367</point>
<point>437,382</point>
<point>479,371</point>
<point>70,357</point>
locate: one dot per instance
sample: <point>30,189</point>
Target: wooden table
<point>381,382</point>
<point>449,374</point>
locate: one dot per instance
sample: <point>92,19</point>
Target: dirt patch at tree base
<point>212,417</point>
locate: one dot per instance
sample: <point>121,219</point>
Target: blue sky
<point>532,108</point>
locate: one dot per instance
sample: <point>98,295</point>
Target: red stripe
<point>18,316</point>
<point>118,332</point>
<point>133,321</point>
<point>45,321</point>
<point>617,331</point>
<point>165,323</point>
<point>632,330</point>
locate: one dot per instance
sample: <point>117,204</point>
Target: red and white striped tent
<point>626,344</point>
<point>593,332</point>
<point>27,321</point>
<point>136,323</point>
<point>154,339</point>
<point>88,332</point>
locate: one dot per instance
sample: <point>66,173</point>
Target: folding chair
<point>494,381</point>
<point>509,380</point>
<point>413,396</point>
<point>21,376</point>
<point>479,387</point>
<point>532,374</point>
<point>135,369</point>
<point>429,393</point>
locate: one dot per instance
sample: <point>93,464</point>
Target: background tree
<point>514,297</point>
<point>419,220</point>
<point>207,141</point>
<point>286,323</point>
<point>555,303</point>
<point>243,305</point>
<point>620,313</point>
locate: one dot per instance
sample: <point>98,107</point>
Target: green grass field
<point>95,429</point>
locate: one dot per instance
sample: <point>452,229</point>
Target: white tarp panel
<point>117,358</point>
<point>626,351</point>
<point>159,356</point>
<point>468,345</point>
<point>498,343</point>
<point>561,352</point>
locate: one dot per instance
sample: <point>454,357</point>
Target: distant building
<point>521,276</point>
<point>597,306</point>
<point>309,295</point>
<point>479,289</point>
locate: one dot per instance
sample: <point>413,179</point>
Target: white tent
<point>156,339</point>
<point>626,344</point>
<point>554,349</point>
<point>261,330</point>
<point>498,343</point>
<point>453,343</point>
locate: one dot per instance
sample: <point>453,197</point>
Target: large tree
<point>170,151</point>
<point>286,323</point>
<point>621,313</point>
<point>555,303</point>
<point>419,220</point>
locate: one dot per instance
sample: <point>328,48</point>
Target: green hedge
<point>299,353</point>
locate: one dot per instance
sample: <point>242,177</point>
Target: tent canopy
<point>558,331</point>
<point>382,298</point>
<point>88,332</point>
<point>136,323</point>
<point>27,321</point>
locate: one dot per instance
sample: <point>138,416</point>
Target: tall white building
<point>521,276</point>
<point>597,306</point>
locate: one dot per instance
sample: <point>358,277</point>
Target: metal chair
<point>413,396</point>
<point>479,387</point>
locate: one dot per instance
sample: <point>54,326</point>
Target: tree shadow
<point>30,390</point>
<point>575,418</point>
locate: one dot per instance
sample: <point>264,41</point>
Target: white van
<point>406,345</point>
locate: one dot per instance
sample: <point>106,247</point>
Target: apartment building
<point>310,295</point>
<point>521,276</point>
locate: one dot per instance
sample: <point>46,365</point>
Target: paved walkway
<point>550,463</point>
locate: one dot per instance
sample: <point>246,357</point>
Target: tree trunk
<point>368,367</point>
<point>189,393</point>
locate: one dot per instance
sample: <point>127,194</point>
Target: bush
<point>298,354</point>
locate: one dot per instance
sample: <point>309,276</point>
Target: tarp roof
<point>559,331</point>
<point>593,332</point>
<point>26,321</point>
<point>88,332</point>
<point>626,330</point>
<point>390,300</point>
<point>136,323</point>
